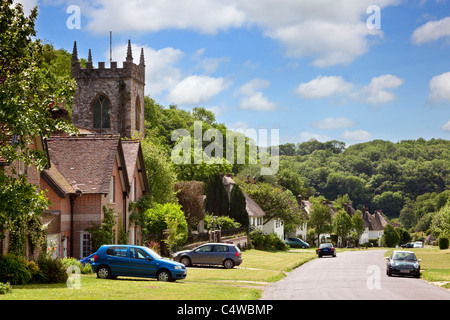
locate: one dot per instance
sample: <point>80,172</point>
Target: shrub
<point>443,243</point>
<point>67,262</point>
<point>269,242</point>
<point>5,288</point>
<point>53,270</point>
<point>13,269</point>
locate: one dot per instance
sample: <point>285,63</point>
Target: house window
<point>112,187</point>
<point>85,244</point>
<point>133,190</point>
<point>101,112</point>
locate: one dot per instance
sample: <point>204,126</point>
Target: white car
<point>418,244</point>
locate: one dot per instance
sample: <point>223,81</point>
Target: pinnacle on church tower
<point>90,56</point>
<point>142,60</point>
<point>129,52</point>
<point>75,53</point>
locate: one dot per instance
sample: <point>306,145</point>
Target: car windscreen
<point>152,253</point>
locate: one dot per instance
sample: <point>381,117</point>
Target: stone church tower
<point>110,100</point>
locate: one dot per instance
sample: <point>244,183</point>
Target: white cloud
<point>324,86</point>
<point>197,90</point>
<point>252,98</point>
<point>440,88</point>
<point>161,71</point>
<point>306,136</point>
<point>431,31</point>
<point>446,127</point>
<point>359,135</point>
<point>328,31</point>
<point>375,93</point>
<point>207,64</point>
<point>334,123</point>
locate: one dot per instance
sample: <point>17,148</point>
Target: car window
<point>136,253</point>
<point>117,251</point>
<point>221,249</point>
<point>204,249</point>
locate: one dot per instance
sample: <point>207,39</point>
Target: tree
<point>217,201</point>
<point>103,233</point>
<point>276,202</point>
<point>160,174</point>
<point>390,202</point>
<point>342,225</point>
<point>28,95</point>
<point>190,197</point>
<point>319,217</point>
<point>441,221</point>
<point>358,225</point>
<point>238,209</point>
<point>390,236</point>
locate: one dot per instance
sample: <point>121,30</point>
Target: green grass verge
<point>244,283</point>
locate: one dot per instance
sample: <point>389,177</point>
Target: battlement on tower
<point>129,69</point>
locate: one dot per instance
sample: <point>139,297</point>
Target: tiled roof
<point>86,163</point>
<point>375,221</point>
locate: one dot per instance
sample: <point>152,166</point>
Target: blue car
<point>111,261</point>
<point>88,259</point>
<point>326,249</point>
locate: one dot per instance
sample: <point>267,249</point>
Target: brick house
<point>102,166</point>
<point>86,174</point>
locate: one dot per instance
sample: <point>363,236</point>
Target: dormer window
<point>101,112</point>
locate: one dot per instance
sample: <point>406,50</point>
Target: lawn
<point>205,283</point>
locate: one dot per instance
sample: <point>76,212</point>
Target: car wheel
<point>104,272</point>
<point>186,261</point>
<point>228,264</point>
<point>164,275</point>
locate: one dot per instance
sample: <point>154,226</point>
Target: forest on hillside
<point>408,180</point>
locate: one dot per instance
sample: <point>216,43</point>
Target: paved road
<point>352,275</point>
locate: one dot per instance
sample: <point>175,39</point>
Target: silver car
<point>224,254</point>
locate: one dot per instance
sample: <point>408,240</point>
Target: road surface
<point>352,275</point>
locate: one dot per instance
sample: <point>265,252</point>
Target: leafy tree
<point>319,217</point>
<point>342,225</point>
<point>390,236</point>
<point>217,201</point>
<point>389,202</point>
<point>441,221</point>
<point>408,215</point>
<point>276,202</point>
<point>190,197</point>
<point>28,94</point>
<point>103,233</point>
<point>358,225</point>
<point>238,209</point>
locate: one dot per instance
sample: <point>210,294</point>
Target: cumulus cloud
<point>328,31</point>
<point>431,31</point>
<point>197,90</point>
<point>376,92</point>
<point>253,98</point>
<point>334,123</point>
<point>358,135</point>
<point>446,127</point>
<point>162,73</point>
<point>440,88</point>
<point>324,86</point>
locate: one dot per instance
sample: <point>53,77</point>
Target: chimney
<point>299,199</point>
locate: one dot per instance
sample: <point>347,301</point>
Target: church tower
<point>110,100</point>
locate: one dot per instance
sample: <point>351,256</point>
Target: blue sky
<point>312,68</point>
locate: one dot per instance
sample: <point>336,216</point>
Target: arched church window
<point>101,112</point>
<point>138,114</point>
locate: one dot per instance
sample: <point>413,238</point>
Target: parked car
<point>418,244</point>
<point>111,261</point>
<point>224,254</point>
<point>326,249</point>
<point>408,245</point>
<point>296,243</point>
<point>403,263</point>
<point>88,259</point>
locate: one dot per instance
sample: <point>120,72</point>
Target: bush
<point>268,242</point>
<point>67,262</point>
<point>53,270</point>
<point>443,243</point>
<point>5,288</point>
<point>13,269</point>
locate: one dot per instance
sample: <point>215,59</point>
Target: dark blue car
<point>326,249</point>
<point>111,261</point>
